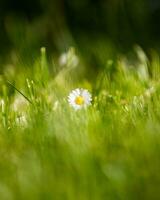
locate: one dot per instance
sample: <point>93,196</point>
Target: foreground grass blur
<point>108,151</point>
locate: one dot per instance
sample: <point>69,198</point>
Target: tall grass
<point>108,151</point>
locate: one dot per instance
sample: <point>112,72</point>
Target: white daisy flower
<point>79,98</point>
<point>69,58</point>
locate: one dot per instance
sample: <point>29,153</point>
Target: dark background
<point>97,28</point>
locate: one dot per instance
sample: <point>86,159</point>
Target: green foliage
<point>108,151</point>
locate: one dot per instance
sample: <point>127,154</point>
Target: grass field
<point>110,151</point>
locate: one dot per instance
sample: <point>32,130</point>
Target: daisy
<point>79,98</point>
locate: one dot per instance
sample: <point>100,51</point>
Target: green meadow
<point>110,150</point>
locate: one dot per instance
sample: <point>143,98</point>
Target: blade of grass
<point>10,84</point>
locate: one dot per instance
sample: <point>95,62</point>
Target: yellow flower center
<point>79,100</point>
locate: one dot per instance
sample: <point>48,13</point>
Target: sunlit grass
<point>108,151</point>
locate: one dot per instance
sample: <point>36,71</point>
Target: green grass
<point>111,150</point>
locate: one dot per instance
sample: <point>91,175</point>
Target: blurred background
<point>98,29</point>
